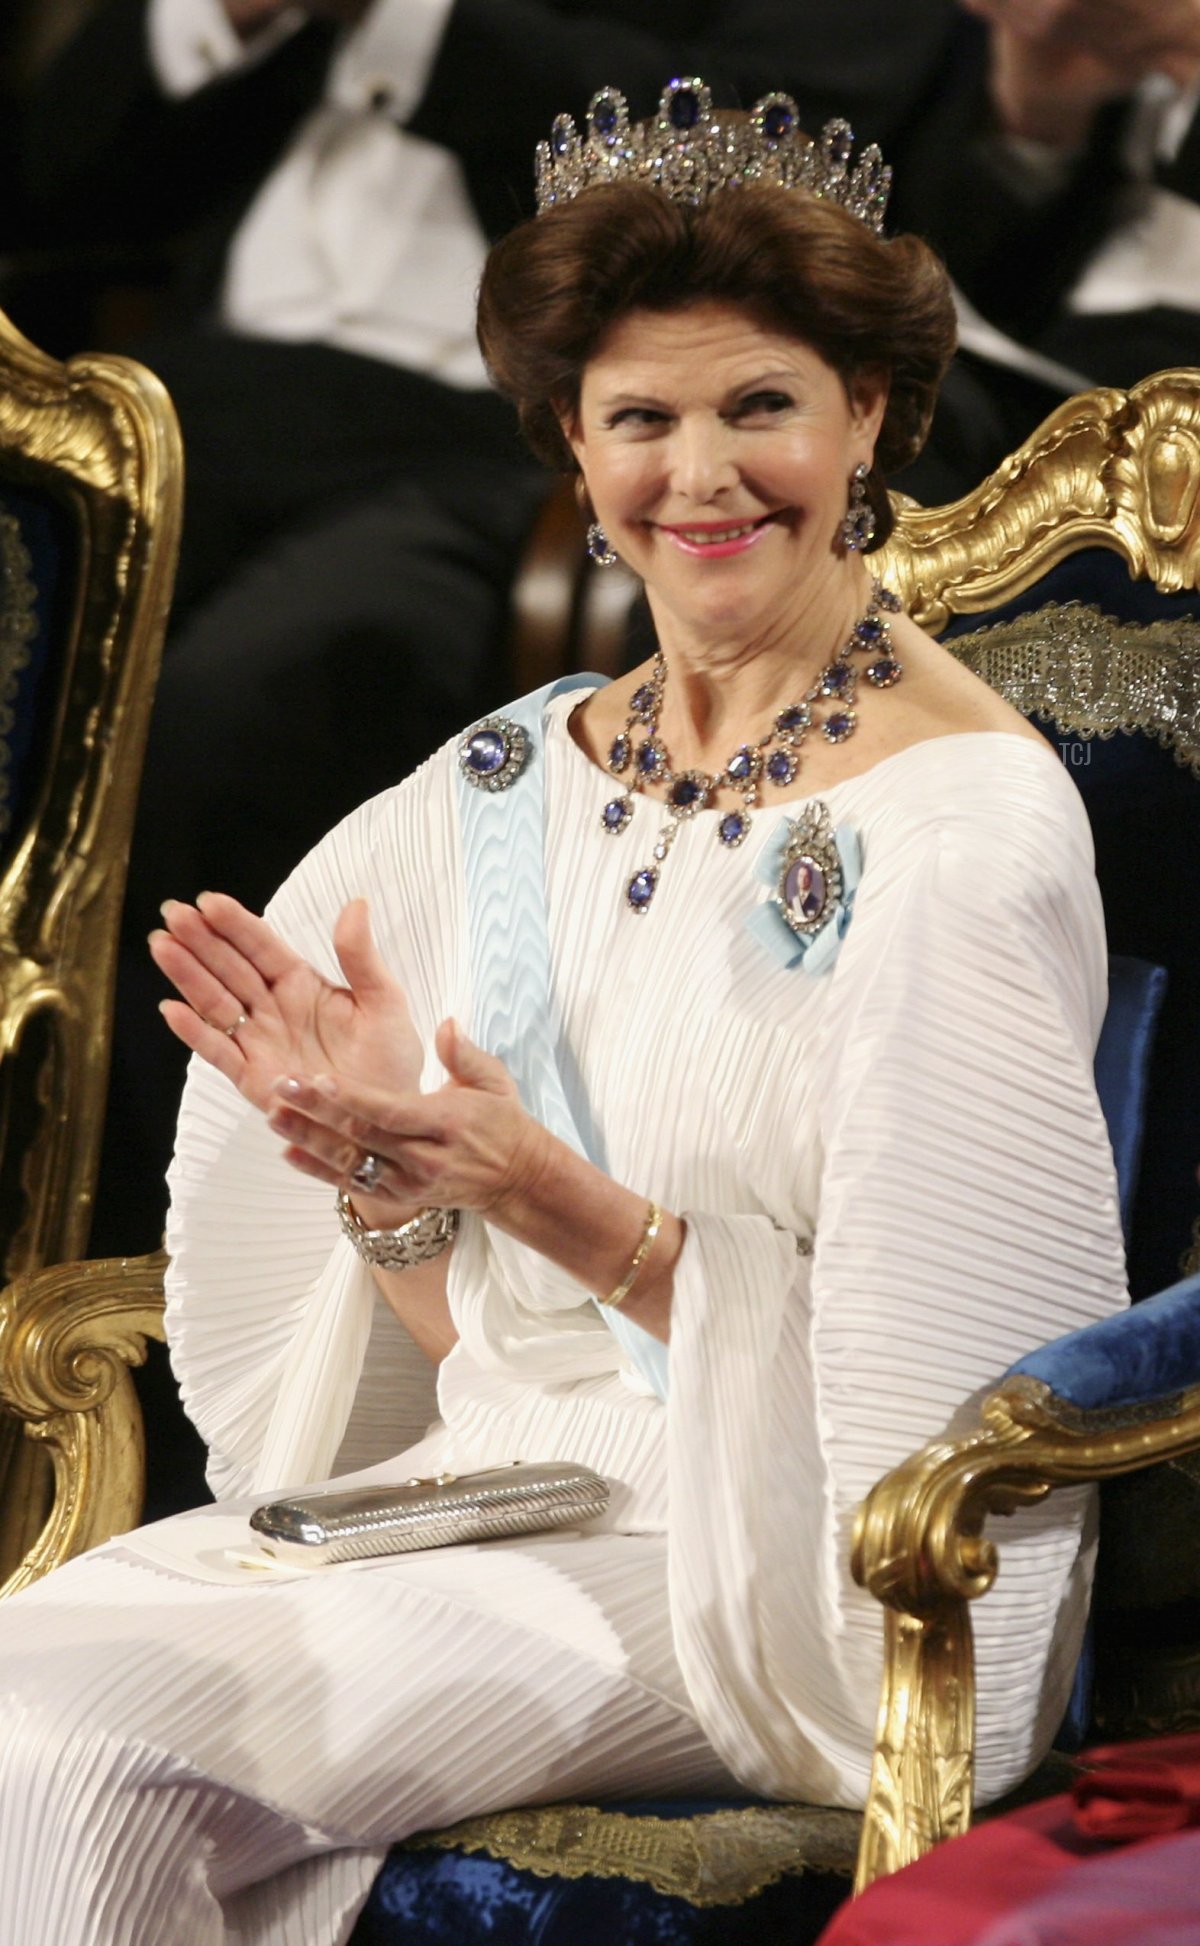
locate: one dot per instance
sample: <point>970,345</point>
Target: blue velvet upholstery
<point>1122,1069</point>
<point>1145,1353</point>
<point>1095,575</point>
<point>438,1898</point>
<point>48,535</point>
<point>445,1899</point>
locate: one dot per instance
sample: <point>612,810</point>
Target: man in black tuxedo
<point>1058,172</point>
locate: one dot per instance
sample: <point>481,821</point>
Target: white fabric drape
<point>895,1178</point>
<point>922,1116</point>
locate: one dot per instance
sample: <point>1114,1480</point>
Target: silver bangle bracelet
<point>418,1241</point>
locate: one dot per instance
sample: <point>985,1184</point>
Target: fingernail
<point>166,905</point>
<point>287,1084</point>
<point>324,1084</point>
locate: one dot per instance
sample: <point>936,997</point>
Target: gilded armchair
<point>1120,473</point>
<point>90,496</point>
<point>1108,488</point>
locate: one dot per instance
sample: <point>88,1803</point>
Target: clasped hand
<point>336,1069</point>
<point>1055,62</point>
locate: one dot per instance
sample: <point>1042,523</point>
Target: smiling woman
<point>803,271</point>
<point>702,437</point>
<point>732,378</point>
<point>742,1177</point>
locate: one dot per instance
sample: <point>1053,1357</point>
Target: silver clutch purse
<point>345,1524</point>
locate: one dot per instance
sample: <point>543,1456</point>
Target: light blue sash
<point>503,836</point>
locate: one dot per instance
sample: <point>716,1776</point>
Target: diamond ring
<point>366,1176</point>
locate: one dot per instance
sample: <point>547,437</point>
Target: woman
<point>757,1004</point>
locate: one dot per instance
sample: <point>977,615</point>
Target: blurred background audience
<point>1059,176</point>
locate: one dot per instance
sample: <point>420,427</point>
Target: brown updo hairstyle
<point>869,306</point>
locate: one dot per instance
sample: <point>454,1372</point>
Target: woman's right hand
<point>256,1010</point>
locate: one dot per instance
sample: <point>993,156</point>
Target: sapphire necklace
<point>639,756</point>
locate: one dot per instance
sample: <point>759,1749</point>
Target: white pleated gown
<point>895,1178</point>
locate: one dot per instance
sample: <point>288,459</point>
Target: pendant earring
<point>598,547</point>
<point>858,528</point>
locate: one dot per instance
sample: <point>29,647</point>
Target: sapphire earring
<point>598,547</point>
<point>858,527</point>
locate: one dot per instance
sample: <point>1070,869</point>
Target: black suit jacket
<point>101,157</point>
<point>1018,258</point>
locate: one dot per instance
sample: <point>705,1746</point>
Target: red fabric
<point>1047,1875</point>
<point>949,1897</point>
<point>1139,1790</point>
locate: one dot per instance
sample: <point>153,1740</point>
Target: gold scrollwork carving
<point>68,1337</point>
<point>1108,469</point>
<point>1171,483</point>
<point>920,1548</point>
<point>97,439</point>
<point>1155,476</point>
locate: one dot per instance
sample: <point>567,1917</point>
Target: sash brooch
<point>813,871</point>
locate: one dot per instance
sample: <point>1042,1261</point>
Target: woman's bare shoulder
<point>949,698</point>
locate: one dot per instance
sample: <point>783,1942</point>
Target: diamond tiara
<point>689,150</point>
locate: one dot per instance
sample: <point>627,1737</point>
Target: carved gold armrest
<point>919,1547</point>
<point>1119,470</point>
<point>68,1337</point>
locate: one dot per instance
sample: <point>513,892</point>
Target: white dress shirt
<point>1150,256</point>
<point>362,236</point>
<point>1153,255</point>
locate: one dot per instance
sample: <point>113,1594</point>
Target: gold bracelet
<point>653,1225</point>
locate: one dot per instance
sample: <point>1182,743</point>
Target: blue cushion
<point>1135,994</point>
<point>428,1898</point>
<point>1149,1352</point>
<point>441,1898</point>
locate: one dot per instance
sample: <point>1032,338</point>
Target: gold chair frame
<point>99,438</point>
<point>1115,469</point>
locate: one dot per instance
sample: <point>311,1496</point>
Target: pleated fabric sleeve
<point>290,1362</point>
<point>967,1210</point>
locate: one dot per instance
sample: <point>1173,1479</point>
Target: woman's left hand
<point>467,1145</point>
